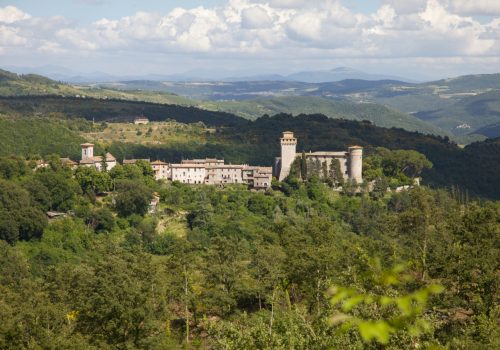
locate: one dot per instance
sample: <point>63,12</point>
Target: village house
<point>161,170</point>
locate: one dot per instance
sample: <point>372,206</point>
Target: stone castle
<point>215,172</point>
<point>351,162</point>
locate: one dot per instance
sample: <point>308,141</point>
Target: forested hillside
<point>112,110</point>
<point>240,141</point>
<point>297,267</point>
<point>41,136</point>
<point>375,113</point>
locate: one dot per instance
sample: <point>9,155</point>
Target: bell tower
<point>87,150</point>
<point>288,153</point>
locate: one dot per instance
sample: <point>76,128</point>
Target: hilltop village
<point>212,171</point>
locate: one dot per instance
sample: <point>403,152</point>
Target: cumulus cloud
<point>283,28</point>
<point>11,14</point>
<point>255,17</point>
<point>475,7</point>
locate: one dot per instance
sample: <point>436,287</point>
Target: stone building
<point>161,170</point>
<point>88,158</point>
<point>188,173</point>
<point>351,162</point>
<point>257,176</point>
<point>212,171</point>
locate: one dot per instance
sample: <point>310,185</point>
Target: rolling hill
<point>248,104</point>
<point>458,106</point>
<point>375,113</point>
<point>466,108</point>
<point>447,104</point>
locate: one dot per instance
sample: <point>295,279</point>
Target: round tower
<point>288,153</point>
<point>87,150</point>
<point>356,163</point>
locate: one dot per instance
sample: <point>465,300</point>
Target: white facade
<point>213,172</point>
<point>161,170</point>
<point>188,173</point>
<point>224,174</point>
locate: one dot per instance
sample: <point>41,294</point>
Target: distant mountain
<point>338,74</point>
<point>467,107</point>
<point>203,75</point>
<point>468,83</point>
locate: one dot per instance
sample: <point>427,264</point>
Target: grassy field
<point>154,133</point>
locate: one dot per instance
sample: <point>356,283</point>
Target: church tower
<point>288,153</point>
<point>87,150</point>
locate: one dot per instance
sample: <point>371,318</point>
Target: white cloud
<point>10,37</point>
<point>255,17</point>
<point>288,29</point>
<point>11,14</point>
<point>475,7</point>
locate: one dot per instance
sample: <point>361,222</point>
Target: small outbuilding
<point>141,121</point>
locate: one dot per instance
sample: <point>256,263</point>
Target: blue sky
<point>90,10</point>
<point>420,39</point>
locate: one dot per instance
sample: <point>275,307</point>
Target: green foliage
<point>231,268</point>
<point>19,217</point>
<point>92,181</point>
<point>63,190</point>
<point>132,198</point>
<point>400,312</point>
<point>28,136</point>
<point>120,289</point>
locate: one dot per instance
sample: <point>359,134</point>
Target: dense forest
<point>300,266</point>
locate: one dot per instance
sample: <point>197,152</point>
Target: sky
<point>417,39</point>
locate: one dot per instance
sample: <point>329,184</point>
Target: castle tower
<point>288,153</point>
<point>356,163</point>
<point>87,150</point>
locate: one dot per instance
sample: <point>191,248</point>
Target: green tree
<point>118,302</point>
<point>226,272</point>
<point>336,173</point>
<point>62,188</point>
<point>92,181</point>
<point>132,197</point>
<point>19,218</point>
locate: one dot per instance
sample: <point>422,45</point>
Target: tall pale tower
<point>356,163</point>
<point>87,150</point>
<point>288,153</point>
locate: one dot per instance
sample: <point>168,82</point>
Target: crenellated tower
<point>288,153</point>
